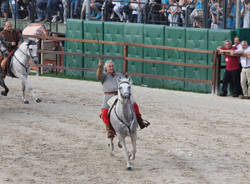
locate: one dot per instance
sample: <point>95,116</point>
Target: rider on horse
<point>108,78</point>
<point>11,37</point>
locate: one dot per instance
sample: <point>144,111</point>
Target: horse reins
<point>26,68</point>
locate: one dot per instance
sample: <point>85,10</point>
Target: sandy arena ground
<point>193,138</point>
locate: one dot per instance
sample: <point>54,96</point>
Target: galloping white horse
<point>20,67</point>
<point>123,119</point>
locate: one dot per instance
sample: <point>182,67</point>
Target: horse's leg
<point>6,89</point>
<point>133,141</point>
<point>25,83</point>
<point>23,90</point>
<point>122,141</point>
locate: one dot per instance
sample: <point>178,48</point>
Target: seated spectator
<point>232,72</point>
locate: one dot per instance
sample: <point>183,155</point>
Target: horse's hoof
<point>3,93</point>
<point>38,100</point>
<point>129,169</point>
<point>26,102</point>
<point>119,144</point>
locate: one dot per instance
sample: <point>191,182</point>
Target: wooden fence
<point>215,82</point>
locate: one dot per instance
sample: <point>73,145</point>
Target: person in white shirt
<point>245,12</point>
<point>237,42</point>
<point>245,73</point>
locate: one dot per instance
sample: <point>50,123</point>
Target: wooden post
<point>125,61</point>
<point>214,72</point>
<point>42,56</point>
<point>218,68</point>
<point>38,69</point>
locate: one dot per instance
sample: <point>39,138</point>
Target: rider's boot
<point>109,128</point>
<point>141,122</point>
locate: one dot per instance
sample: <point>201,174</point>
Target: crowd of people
<point>237,73</point>
<point>187,13</point>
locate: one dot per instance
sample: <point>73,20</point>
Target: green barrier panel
<point>92,30</point>
<point>244,34</point>
<point>74,30</point>
<point>216,38</point>
<point>174,37</point>
<point>153,35</point>
<point>196,39</point>
<point>114,32</point>
<point>133,33</point>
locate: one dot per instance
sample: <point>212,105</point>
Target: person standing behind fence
<point>232,72</point>
<point>197,14</point>
<point>245,72</point>
<point>245,12</point>
<point>237,42</point>
<point>173,15</point>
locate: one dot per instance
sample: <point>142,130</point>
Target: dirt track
<point>194,138</point>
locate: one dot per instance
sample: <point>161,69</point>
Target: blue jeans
<point>15,10</point>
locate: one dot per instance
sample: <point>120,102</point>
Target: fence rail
<point>215,67</point>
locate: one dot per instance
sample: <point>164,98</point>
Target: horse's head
<point>32,50</point>
<point>124,89</point>
<point>3,48</point>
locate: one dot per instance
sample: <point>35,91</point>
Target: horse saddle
<point>111,102</point>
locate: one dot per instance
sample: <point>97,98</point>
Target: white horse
<point>123,119</point>
<point>19,67</point>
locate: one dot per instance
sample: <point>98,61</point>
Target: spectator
<point>74,8</point>
<point>122,9</point>
<point>134,15</point>
<point>214,14</point>
<point>245,12</point>
<point>65,10</point>
<point>154,11</point>
<point>237,42</point>
<point>245,73</point>
<point>95,7</point>
<point>190,7</point>
<point>231,19</point>
<point>141,10</point>
<point>197,14</point>
<point>4,9</point>
<point>173,15</point>
<point>53,7</point>
<point>41,9</point>
<point>232,72</point>
<point>183,5</point>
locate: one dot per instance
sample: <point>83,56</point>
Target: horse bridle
<point>119,88</point>
<point>29,43</point>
